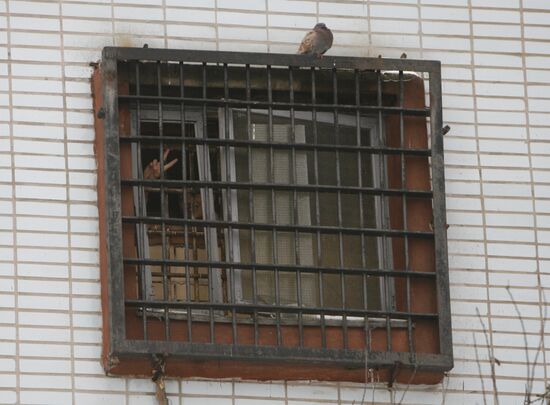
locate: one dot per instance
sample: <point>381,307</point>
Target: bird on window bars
<point>317,41</point>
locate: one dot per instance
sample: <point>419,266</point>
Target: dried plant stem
<point>529,382</point>
<point>411,378</point>
<point>366,376</point>
<point>444,388</point>
<point>479,369</point>
<point>373,385</point>
<point>491,358</point>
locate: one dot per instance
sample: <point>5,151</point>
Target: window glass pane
<point>182,161</point>
<point>261,165</point>
<point>265,169</point>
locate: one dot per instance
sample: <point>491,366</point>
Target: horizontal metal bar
<point>242,352</point>
<point>307,188</point>
<point>349,358</point>
<point>236,103</point>
<point>277,145</point>
<point>271,59</point>
<point>250,307</point>
<point>355,271</point>
<point>221,318</point>
<point>418,361</point>
<point>277,227</point>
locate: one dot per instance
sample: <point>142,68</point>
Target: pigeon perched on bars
<point>317,41</point>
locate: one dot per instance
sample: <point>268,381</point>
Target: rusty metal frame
<point>121,346</point>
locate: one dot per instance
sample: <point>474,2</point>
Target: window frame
<point>195,117</point>
<point>367,122</point>
<point>118,345</point>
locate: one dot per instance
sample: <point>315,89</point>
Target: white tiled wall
<point>496,96</point>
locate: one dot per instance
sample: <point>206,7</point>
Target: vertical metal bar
<point>296,219</point>
<point>184,208</point>
<point>164,209</point>
<point>227,151</point>
<point>339,206</point>
<point>273,203</point>
<point>440,222</point>
<point>317,208</point>
<point>206,213</point>
<point>113,197</point>
<point>404,208</point>
<point>383,221</point>
<point>361,213</point>
<point>251,210</point>
<point>141,206</point>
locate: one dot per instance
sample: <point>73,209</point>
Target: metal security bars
<point>264,206</point>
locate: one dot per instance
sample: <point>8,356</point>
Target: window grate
<point>268,206</point>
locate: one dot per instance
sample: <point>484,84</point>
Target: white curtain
<point>285,247</point>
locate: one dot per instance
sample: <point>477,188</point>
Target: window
<point>272,207</point>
